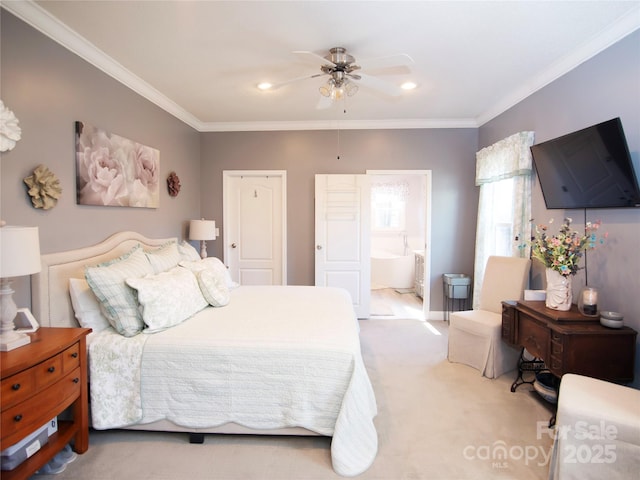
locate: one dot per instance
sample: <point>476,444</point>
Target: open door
<point>425,272</point>
<point>342,225</point>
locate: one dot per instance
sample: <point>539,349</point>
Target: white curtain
<point>503,173</point>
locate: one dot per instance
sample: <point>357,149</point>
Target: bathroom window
<point>388,206</point>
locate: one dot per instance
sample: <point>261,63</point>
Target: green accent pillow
<point>117,299</point>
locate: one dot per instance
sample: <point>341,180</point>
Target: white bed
<point>275,360</point>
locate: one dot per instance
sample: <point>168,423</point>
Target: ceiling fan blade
<point>401,59</point>
<point>310,55</point>
<point>379,85</point>
<point>275,86</point>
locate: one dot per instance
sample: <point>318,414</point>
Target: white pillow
<point>214,264</point>
<point>165,257</point>
<point>213,288</point>
<point>86,306</point>
<point>168,298</point>
<point>117,299</point>
<point>188,252</point>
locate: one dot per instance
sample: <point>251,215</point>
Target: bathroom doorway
<point>400,243</point>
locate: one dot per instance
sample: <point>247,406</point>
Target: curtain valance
<point>507,158</point>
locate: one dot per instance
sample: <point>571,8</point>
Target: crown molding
<point>626,25</point>
<point>338,125</point>
<point>34,15</point>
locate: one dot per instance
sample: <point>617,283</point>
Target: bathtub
<point>389,270</point>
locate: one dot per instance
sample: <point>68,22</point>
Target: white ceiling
<point>202,60</point>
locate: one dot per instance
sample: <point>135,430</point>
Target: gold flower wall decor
<point>44,188</point>
<point>173,184</point>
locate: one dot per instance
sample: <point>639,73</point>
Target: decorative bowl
<point>611,319</point>
<point>546,384</point>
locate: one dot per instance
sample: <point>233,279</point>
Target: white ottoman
<point>597,433</point>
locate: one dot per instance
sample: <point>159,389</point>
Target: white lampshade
<point>202,229</point>
<point>19,256</point>
<point>19,251</point>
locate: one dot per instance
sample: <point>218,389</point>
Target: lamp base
<point>9,338</point>
<point>13,340</point>
<point>203,249</point>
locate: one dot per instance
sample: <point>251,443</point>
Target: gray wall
<point>49,88</point>
<point>450,154</point>
<point>605,87</point>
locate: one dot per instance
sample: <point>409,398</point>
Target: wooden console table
<point>569,342</point>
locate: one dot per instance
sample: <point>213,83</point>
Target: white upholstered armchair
<point>475,336</point>
<point>597,431</point>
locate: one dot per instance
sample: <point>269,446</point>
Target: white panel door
<point>254,227</point>
<point>342,224</point>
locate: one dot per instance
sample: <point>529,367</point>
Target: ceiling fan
<point>345,75</point>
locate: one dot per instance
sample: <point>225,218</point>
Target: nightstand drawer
<point>35,411</point>
<point>17,387</point>
<point>71,358</point>
<point>49,371</point>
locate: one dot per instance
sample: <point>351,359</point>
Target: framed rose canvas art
<point>114,171</point>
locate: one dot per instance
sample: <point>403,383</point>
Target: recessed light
<point>408,86</point>
<point>264,86</point>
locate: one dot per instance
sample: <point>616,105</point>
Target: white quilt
<point>274,357</point>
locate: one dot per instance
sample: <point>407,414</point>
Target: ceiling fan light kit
<point>340,66</point>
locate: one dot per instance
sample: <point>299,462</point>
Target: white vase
<point>559,293</point>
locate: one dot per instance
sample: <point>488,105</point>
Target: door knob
<point>233,245</point>
<point>319,247</point>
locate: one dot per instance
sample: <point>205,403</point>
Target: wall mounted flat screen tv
<point>590,168</point>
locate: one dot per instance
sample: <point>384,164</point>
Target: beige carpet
<point>436,420</point>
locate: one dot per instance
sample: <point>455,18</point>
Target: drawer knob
<point>51,369</point>
<point>76,380</point>
<point>533,340</point>
<point>17,418</point>
<point>15,386</point>
<point>74,355</point>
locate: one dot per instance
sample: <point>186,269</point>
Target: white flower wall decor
<point>115,171</point>
<point>10,131</point>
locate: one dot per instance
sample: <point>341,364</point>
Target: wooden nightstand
<point>39,381</point>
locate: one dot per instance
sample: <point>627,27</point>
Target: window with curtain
<point>388,206</point>
<point>503,173</point>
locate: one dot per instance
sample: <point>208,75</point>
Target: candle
<point>590,296</point>
<point>590,301</point>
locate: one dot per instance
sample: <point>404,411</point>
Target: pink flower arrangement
<point>562,252</point>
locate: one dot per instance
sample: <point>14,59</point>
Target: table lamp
<point>202,230</point>
<point>19,256</point>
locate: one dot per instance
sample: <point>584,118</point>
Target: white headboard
<point>51,303</point>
